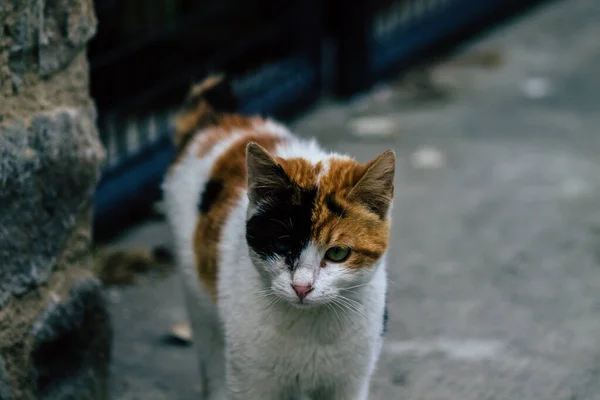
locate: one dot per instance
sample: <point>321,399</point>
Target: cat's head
<point>315,230</point>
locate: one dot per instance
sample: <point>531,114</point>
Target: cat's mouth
<point>297,302</point>
<point>303,304</point>
<point>306,302</point>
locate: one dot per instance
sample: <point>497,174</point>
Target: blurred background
<point>282,57</point>
<point>490,105</point>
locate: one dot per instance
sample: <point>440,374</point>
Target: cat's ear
<point>265,175</point>
<point>376,187</point>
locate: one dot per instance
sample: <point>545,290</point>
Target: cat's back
<point>208,176</point>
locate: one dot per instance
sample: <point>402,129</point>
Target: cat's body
<point>273,316</point>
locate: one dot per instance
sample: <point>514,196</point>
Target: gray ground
<point>495,262</point>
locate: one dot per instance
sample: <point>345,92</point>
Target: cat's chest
<point>312,355</point>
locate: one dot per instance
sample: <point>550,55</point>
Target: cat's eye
<point>282,244</point>
<point>337,254</point>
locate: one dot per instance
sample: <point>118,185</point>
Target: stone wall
<point>54,328</point>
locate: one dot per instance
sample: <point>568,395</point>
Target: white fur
<point>255,344</point>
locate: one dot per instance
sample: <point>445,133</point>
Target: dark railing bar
<point>112,56</point>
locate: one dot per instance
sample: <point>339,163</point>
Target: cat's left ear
<point>265,175</point>
<point>376,187</point>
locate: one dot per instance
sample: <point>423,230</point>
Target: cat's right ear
<point>265,175</point>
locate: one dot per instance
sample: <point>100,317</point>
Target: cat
<point>281,247</point>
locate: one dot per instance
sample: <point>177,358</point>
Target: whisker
<point>332,308</point>
<point>354,305</point>
<point>263,292</point>
<point>274,300</point>
<point>354,302</point>
<point>357,286</point>
<point>263,295</point>
<point>348,307</point>
<point>342,307</point>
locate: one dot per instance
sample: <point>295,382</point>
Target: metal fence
<point>275,70</point>
<point>148,52</point>
<point>377,37</point>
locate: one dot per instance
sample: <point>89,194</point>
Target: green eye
<point>337,254</point>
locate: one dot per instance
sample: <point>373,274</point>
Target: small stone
<point>536,88</point>
<point>374,126</point>
<point>427,158</point>
<point>383,94</point>
<point>113,295</point>
<point>182,331</point>
<point>399,376</point>
<point>575,188</point>
<point>360,103</point>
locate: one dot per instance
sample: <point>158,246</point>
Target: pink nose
<point>302,291</point>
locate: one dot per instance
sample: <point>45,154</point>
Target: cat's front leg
<point>254,392</point>
<point>358,390</point>
<point>251,384</point>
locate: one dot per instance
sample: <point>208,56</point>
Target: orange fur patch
<point>361,230</point>
<point>200,112</point>
<point>188,121</point>
<point>230,170</point>
<point>221,128</point>
<point>197,113</point>
<point>301,172</point>
<point>226,125</point>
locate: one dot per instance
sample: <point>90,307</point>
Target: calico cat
<point>282,247</point>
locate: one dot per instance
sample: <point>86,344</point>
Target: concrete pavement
<point>495,262</point>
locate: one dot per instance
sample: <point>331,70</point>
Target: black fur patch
<point>283,226</point>
<point>212,190</point>
<point>335,207</point>
<point>220,97</point>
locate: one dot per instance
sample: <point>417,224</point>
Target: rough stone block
<point>49,167</point>
<point>5,389</point>
<point>48,34</point>
<point>55,339</point>
<point>71,346</point>
<point>55,334</point>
